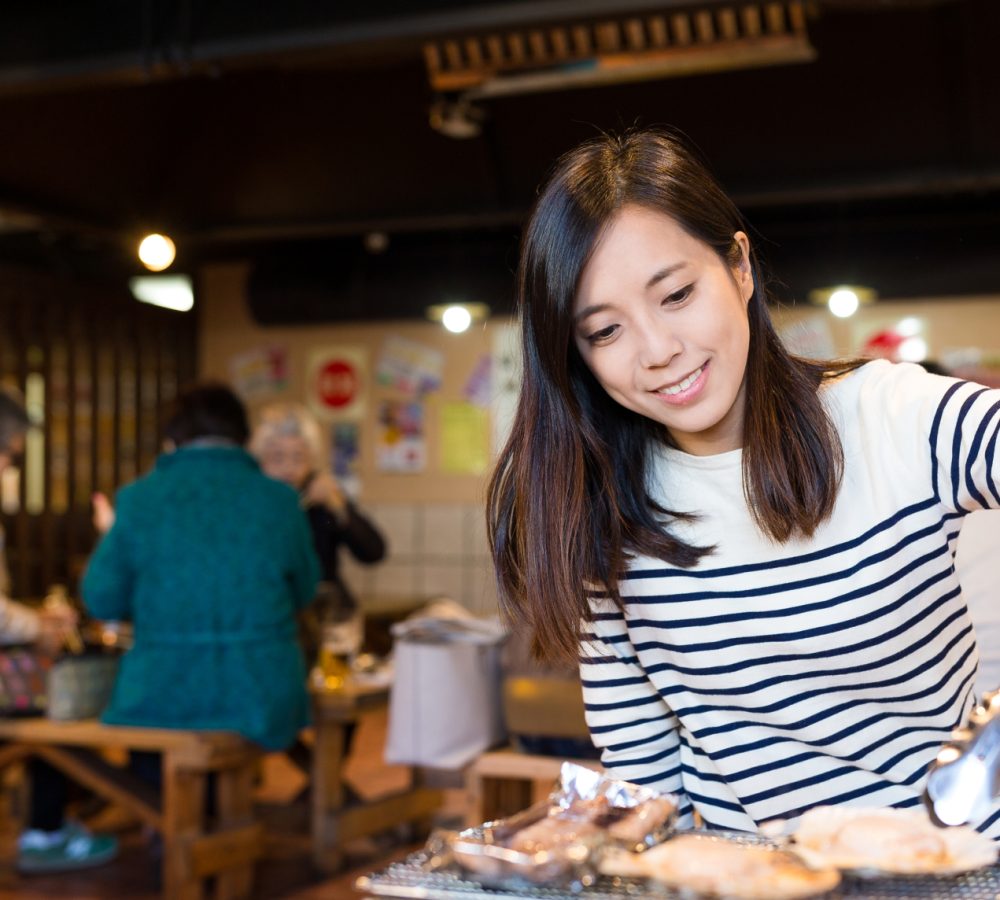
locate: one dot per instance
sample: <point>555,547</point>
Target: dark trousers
<point>49,793</point>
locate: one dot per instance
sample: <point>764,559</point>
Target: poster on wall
<point>345,454</point>
<point>400,443</point>
<point>335,383</point>
<point>411,368</point>
<point>259,373</point>
<point>478,388</point>
<point>465,443</point>
<point>507,372</point>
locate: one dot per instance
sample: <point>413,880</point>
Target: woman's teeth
<point>681,385</point>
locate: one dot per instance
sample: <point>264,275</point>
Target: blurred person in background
<point>210,560</point>
<point>288,445</point>
<point>50,843</point>
<point>19,624</point>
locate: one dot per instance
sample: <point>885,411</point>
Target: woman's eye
<point>604,334</point>
<point>679,296</point>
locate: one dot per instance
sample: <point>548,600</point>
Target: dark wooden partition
<point>96,367</point>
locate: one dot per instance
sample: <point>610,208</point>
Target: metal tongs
<point>964,781</point>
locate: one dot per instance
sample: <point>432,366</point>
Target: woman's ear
<point>743,271</point>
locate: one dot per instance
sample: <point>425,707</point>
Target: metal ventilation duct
<point>635,47</point>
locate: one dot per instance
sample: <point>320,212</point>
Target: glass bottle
<point>340,636</point>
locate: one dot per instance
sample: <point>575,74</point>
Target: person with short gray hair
<point>288,444</point>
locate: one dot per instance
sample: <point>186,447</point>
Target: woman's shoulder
<point>885,386</point>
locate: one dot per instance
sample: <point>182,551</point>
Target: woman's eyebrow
<point>589,311</point>
<point>665,272</point>
<point>655,279</point>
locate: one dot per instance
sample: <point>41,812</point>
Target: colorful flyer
<point>400,442</point>
<point>411,368</point>
<point>259,373</point>
<point>345,454</point>
<point>479,386</point>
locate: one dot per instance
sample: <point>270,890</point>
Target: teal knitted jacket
<point>210,560</point>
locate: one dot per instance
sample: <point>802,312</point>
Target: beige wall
<point>950,323</point>
<point>227,329</point>
<point>433,520</point>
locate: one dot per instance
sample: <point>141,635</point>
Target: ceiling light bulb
<point>843,303</point>
<point>456,319</point>
<point>156,252</point>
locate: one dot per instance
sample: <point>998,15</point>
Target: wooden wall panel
<point>102,365</point>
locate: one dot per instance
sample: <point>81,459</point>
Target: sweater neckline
<point>716,461</point>
<point>202,453</point>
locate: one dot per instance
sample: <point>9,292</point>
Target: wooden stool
<point>503,782</point>
<point>192,854</point>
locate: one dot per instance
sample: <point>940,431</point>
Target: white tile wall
<point>399,523</point>
<point>433,549</point>
<point>480,588</point>
<point>444,531</point>
<point>396,579</point>
<point>444,580</point>
<point>477,545</point>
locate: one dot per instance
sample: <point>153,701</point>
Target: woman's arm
<point>943,426</point>
<point>304,568</point>
<point>629,721</point>
<point>110,577</point>
<point>361,537</point>
<point>343,523</point>
<point>19,624</point>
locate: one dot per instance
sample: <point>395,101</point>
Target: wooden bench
<point>502,782</point>
<point>194,854</point>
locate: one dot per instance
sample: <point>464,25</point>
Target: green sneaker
<point>71,847</point>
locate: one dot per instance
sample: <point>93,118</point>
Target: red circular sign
<point>337,384</point>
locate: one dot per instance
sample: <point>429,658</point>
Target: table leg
<point>327,793</point>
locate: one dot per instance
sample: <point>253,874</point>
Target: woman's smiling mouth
<point>683,390</point>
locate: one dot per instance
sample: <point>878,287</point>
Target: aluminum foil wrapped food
<point>559,841</point>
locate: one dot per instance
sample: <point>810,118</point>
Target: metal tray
<point>409,880</point>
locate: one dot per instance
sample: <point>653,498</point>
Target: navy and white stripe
<point>772,678</point>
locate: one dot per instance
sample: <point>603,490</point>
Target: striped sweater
<point>775,677</point>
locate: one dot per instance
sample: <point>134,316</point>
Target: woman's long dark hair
<point>568,502</point>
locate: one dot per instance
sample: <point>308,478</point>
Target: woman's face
<point>286,459</point>
<point>661,321</point>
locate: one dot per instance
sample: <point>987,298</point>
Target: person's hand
<point>325,490</point>
<point>55,622</point>
<point>104,513</point>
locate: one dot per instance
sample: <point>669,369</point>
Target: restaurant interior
<point>332,179</point>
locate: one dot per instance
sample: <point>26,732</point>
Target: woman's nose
<point>659,345</point>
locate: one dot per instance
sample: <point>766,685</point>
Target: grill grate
<point>409,880</point>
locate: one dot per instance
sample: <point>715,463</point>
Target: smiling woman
<point>758,546</point>
<point>669,341</point>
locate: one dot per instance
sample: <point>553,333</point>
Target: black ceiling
<point>285,132</point>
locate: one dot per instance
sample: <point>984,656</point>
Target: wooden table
<point>334,821</point>
<point>194,855</point>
